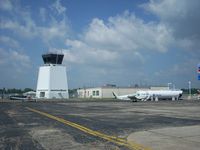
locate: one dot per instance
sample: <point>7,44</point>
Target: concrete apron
<point>174,138</point>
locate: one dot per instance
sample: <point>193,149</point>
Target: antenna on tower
<point>56,57</point>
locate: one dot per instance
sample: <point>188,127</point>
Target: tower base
<point>52,82</point>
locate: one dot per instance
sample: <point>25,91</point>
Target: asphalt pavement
<point>93,125</point>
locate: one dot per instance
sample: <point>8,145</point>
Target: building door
<point>42,94</point>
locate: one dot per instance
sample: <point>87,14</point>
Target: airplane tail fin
<point>114,94</point>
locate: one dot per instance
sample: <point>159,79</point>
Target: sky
<point>122,42</point>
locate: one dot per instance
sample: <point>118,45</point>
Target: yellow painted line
<point>113,139</point>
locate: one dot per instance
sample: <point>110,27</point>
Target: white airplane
<point>159,94</point>
<point>152,95</point>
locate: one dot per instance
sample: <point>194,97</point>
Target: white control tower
<point>52,78</point>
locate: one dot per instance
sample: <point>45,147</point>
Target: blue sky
<point>122,42</point>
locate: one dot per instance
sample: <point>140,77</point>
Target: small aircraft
<point>22,98</point>
<point>152,95</point>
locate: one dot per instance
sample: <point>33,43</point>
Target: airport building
<point>52,78</point>
<point>107,91</point>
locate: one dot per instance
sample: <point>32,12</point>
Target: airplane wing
<point>132,97</point>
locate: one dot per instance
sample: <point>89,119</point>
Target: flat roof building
<point>107,91</point>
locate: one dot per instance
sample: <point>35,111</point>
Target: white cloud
<point>81,52</point>
<point>122,43</point>
<point>57,6</point>
<point>24,25</point>
<point>69,57</point>
<point>57,29</point>
<point>43,14</point>
<point>6,5</point>
<point>26,28</point>
<point>75,43</point>
<point>121,39</point>
<point>20,27</point>
<point>2,56</point>
<point>19,58</point>
<point>16,69</point>
<point>127,32</point>
<point>14,59</point>
<point>5,40</point>
<point>180,73</point>
<point>182,17</point>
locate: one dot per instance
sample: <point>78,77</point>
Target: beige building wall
<point>90,92</point>
<point>159,88</point>
<point>106,92</point>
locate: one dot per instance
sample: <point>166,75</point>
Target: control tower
<point>52,78</point>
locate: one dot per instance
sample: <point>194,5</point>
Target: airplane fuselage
<point>153,95</point>
<point>159,94</point>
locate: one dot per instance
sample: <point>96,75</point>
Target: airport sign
<point>198,71</point>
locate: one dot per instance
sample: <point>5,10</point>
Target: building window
<point>97,93</point>
<point>93,93</point>
<point>81,94</point>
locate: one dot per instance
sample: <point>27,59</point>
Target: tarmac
<point>100,125</point>
<point>179,138</point>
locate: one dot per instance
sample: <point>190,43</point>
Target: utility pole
<point>3,92</point>
<point>168,85</point>
<point>189,89</point>
<point>173,86</point>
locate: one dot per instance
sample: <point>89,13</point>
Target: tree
<point>27,90</point>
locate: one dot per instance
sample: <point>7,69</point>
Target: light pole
<point>168,84</point>
<point>173,86</point>
<point>189,88</point>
